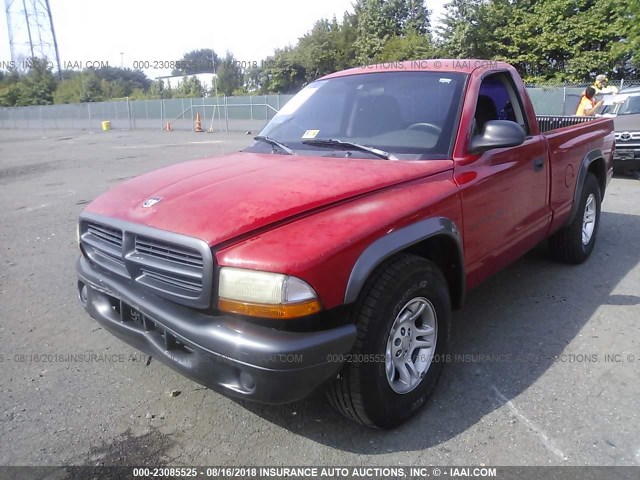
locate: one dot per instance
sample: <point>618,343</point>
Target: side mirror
<point>497,134</point>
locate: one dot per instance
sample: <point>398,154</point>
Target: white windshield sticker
<point>311,134</point>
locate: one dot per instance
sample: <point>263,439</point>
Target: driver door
<point>504,191</point>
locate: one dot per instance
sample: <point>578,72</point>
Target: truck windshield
<point>411,115</point>
<point>623,104</point>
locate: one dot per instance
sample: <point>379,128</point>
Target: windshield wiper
<point>333,142</point>
<point>274,143</point>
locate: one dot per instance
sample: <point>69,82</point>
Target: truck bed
<point>568,147</point>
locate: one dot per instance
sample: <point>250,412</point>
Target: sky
<point>125,32</point>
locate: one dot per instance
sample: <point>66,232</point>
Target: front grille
<point>629,140</point>
<point>106,234</point>
<point>174,266</point>
<point>183,283</point>
<point>103,245</point>
<point>169,253</point>
<point>169,267</point>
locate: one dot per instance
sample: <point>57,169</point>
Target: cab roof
<point>628,90</point>
<point>466,65</point>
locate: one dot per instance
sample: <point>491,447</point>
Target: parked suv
<point>626,158</point>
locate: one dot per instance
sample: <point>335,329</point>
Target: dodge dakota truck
<point>330,253</point>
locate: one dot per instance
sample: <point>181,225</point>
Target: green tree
<point>123,80</point>
<point>417,20</point>
<point>509,35</point>
<point>284,73</point>
<point>114,89</point>
<point>593,38</point>
<point>82,87</point>
<point>254,80</point>
<point>634,33</point>
<point>347,34</point>
<point>190,87</point>
<point>204,60</point>
<point>38,85</point>
<point>327,48</point>
<point>9,94</point>
<point>411,47</point>
<point>69,90</point>
<point>317,51</point>
<point>375,26</point>
<point>9,88</point>
<point>158,90</point>
<point>379,21</point>
<point>461,33</point>
<point>230,75</point>
<point>569,40</point>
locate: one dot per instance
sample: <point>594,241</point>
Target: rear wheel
<point>403,318</point>
<point>574,243</point>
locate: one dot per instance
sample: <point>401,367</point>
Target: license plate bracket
<point>130,314</point>
<point>624,155</point>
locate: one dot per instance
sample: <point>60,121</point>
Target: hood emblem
<point>150,202</point>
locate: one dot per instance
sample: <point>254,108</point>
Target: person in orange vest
<point>588,105</point>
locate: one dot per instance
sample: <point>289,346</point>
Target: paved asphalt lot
<point>557,402</point>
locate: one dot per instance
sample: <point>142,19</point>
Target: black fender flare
<point>399,240</point>
<point>589,158</point>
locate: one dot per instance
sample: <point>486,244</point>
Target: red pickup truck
<point>330,253</point>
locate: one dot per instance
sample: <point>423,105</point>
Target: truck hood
<point>217,199</point>
<point>630,123</point>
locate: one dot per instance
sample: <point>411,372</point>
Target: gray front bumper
<point>626,159</point>
<point>226,354</point>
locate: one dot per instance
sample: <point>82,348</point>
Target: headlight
<point>264,294</point>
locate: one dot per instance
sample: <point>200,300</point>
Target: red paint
<point>312,217</point>
<point>323,248</point>
<point>220,198</point>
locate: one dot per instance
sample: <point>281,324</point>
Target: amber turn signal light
<point>277,312</point>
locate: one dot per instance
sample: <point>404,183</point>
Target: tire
<point>569,245</point>
<point>362,392</point>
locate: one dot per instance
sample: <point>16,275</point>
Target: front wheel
<point>403,318</point>
<point>574,243</point>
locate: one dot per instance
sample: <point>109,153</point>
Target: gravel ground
<point>560,400</point>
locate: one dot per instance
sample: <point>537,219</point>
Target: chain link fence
<point>218,114</point>
<point>560,99</point>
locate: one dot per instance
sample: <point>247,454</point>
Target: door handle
<point>538,164</point>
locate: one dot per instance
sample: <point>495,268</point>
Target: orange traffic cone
<point>168,128</point>
<point>198,127</point>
